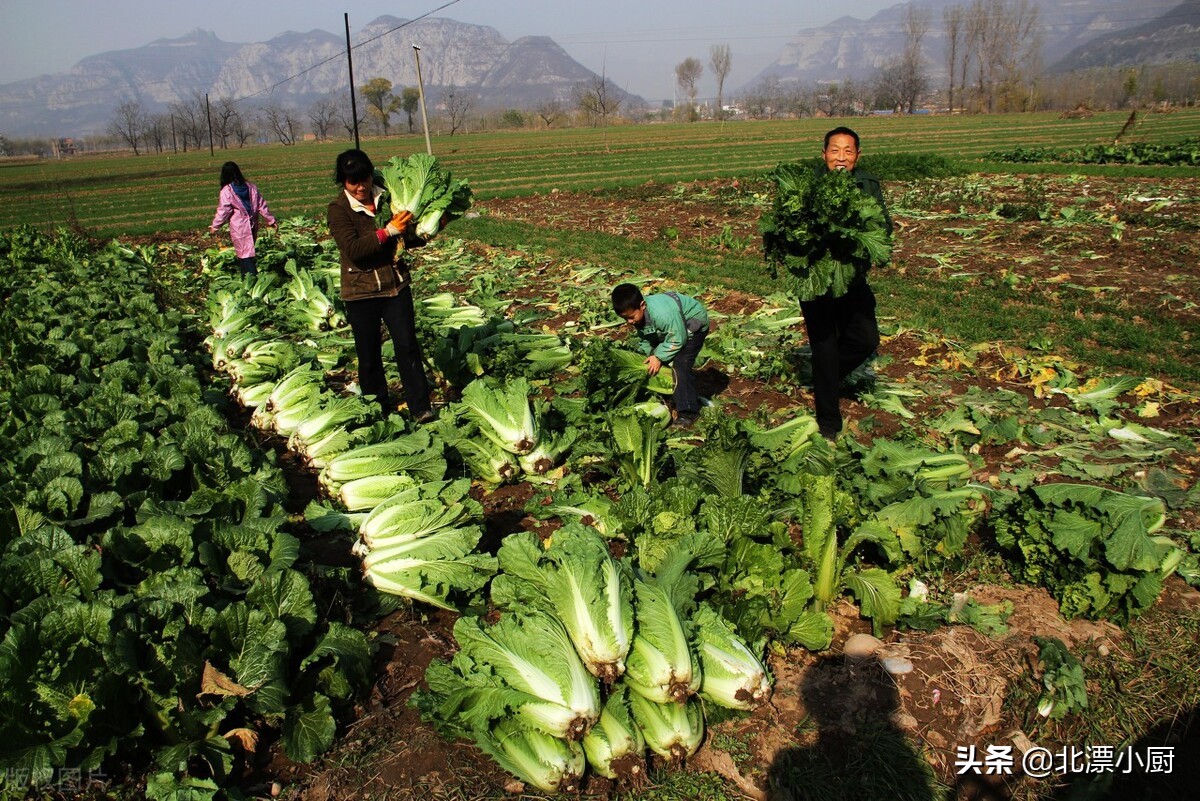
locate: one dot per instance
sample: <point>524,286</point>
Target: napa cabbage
<point>503,413</point>
<point>576,579</point>
<point>421,186</point>
<point>432,567</point>
<point>530,651</point>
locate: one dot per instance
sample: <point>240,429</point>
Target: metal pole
<point>208,113</point>
<point>421,96</point>
<point>350,66</point>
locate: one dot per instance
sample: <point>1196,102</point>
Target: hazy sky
<point>636,42</point>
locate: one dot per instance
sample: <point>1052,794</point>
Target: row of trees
<point>991,53</point>
<point>199,121</point>
<point>991,63</point>
<point>687,75</point>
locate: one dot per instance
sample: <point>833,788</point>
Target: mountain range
<point>1074,33</point>
<point>295,69</point>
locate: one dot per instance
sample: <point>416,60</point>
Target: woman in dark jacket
<point>375,282</point>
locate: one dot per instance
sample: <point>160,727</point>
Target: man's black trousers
<point>843,332</point>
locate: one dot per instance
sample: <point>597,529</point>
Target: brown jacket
<point>369,269</point>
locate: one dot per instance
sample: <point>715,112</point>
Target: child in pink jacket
<point>241,205</point>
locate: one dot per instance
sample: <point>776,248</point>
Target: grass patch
<point>683,785</point>
<point>1143,693</point>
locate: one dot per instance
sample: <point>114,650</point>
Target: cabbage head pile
<point>823,230</point>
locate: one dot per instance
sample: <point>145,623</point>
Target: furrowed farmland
<point>225,574</point>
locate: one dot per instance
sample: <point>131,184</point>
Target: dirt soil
<point>823,704</point>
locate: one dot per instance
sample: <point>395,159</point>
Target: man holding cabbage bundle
<point>827,227</point>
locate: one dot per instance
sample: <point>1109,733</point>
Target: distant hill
<point>856,49</point>
<point>1173,37</point>
<point>294,69</point>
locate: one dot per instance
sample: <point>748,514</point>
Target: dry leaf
<point>214,682</point>
<point>246,738</point>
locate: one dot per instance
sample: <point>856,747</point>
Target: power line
<point>342,54</point>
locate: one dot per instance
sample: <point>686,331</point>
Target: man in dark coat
<point>842,331</point>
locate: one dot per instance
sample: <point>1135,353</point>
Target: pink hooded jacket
<point>243,227</point>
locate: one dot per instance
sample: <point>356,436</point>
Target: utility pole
<point>208,113</point>
<point>421,96</point>
<point>350,66</point>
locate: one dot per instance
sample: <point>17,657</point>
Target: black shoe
<point>685,420</point>
<point>829,434</point>
<point>424,417</point>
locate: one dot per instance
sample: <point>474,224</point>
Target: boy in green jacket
<point>672,328</point>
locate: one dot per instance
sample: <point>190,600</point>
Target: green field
<point>109,196</point>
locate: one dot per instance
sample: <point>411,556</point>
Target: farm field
<point>1039,324</point>
<point>109,196</point>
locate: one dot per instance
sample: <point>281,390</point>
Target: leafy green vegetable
<point>825,507</point>
<point>530,651</point>
<point>822,230</point>
<point>662,665</point>
<point>421,186</point>
<point>577,580</point>
<point>615,746</point>
<point>1064,687</point>
<point>673,730</point>
<point>503,413</point>
<point>1095,549</point>
<point>732,675</point>
<point>431,567</point>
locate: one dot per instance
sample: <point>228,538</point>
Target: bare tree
<point>458,104</point>
<point>128,123</point>
<point>888,85</point>
<point>323,115</point>
<point>549,111</point>
<point>189,121</point>
<point>765,99</point>
<point>410,103</point>
<point>597,100</point>
<point>158,132</point>
<point>283,123</point>
<point>720,61</point>
<point>1004,42</point>
<point>225,120</point>
<point>380,101</point>
<point>952,21</point>
<point>687,73</point>
<point>840,99</point>
<point>345,116</point>
<point>913,79</point>
<point>1020,58</point>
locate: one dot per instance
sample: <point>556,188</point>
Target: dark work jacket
<point>369,269</point>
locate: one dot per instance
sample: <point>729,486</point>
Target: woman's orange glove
<point>399,223</point>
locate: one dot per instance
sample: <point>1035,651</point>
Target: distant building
<point>64,146</point>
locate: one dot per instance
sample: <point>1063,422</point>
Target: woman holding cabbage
<point>375,282</point>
